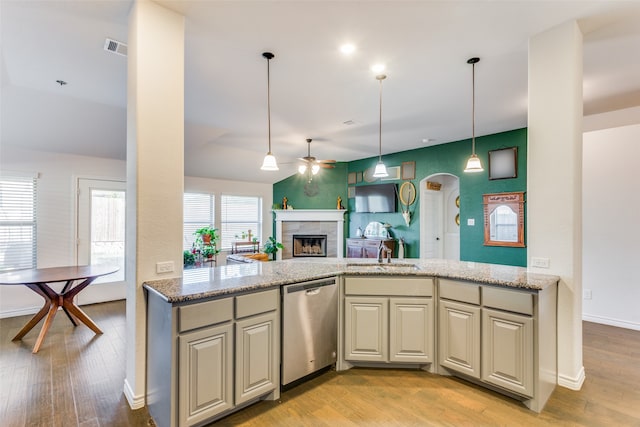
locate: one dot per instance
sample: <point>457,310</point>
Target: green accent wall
<point>445,158</point>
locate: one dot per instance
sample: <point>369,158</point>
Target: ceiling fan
<point>312,164</point>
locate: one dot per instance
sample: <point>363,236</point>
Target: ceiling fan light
<point>269,163</point>
<point>473,164</point>
<point>315,168</point>
<point>380,170</point>
<point>302,169</point>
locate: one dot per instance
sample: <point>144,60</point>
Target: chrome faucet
<point>384,248</point>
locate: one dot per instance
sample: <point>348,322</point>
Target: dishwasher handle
<point>310,286</point>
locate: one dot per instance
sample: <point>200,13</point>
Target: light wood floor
<point>77,379</point>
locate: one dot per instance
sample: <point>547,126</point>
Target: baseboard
<point>611,322</point>
<point>134,402</point>
<point>572,383</point>
<point>21,312</point>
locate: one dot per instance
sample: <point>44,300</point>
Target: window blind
<point>239,214</point>
<point>198,212</point>
<point>17,221</point>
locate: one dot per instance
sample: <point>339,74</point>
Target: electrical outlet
<point>164,267</point>
<point>471,221</point>
<point>586,294</point>
<point>540,262</point>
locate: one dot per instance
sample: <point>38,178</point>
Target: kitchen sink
<point>396,266</point>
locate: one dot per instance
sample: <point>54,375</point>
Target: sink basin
<point>396,266</point>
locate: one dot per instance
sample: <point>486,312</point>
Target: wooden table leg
<point>34,320</point>
<point>80,315</point>
<point>45,327</point>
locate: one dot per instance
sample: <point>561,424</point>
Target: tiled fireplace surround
<point>310,221</point>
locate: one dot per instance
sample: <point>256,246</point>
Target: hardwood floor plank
<point>35,391</point>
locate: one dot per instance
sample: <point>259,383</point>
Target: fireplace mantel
<point>301,215</point>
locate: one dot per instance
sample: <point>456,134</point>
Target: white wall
<point>611,229</point>
<point>56,209</point>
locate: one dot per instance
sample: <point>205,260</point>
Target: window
<point>198,211</point>
<point>17,221</point>
<point>239,215</point>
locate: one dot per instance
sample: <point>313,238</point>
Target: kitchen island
<point>214,334</point>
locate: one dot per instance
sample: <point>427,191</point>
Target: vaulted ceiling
<point>315,89</point>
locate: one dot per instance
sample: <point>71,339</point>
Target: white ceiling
<point>314,88</point>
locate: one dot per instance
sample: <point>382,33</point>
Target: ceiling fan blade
<point>326,166</point>
<point>326,161</point>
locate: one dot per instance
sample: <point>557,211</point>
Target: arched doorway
<point>440,217</point>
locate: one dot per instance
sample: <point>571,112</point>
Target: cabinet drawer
<point>416,287</point>
<point>256,303</point>
<point>205,313</point>
<point>510,300</point>
<point>459,291</point>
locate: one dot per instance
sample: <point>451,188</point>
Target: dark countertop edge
<point>547,280</point>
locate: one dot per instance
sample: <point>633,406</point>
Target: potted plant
<point>189,258</point>
<point>207,241</point>
<point>271,247</point>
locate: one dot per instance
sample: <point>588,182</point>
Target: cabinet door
<point>459,338</point>
<point>354,250</point>
<point>206,374</point>
<point>370,249</point>
<point>366,329</point>
<point>411,330</point>
<point>257,360</point>
<point>507,351</point>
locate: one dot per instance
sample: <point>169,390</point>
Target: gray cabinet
<point>459,341</point>
<point>367,247</point>
<point>205,359</point>
<point>206,372</point>
<point>504,337</point>
<point>387,320</point>
<point>257,359</point>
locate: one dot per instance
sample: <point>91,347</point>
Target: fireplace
<point>325,222</point>
<point>309,245</point>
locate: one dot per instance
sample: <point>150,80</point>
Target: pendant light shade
<point>269,163</point>
<point>380,170</point>
<point>473,164</point>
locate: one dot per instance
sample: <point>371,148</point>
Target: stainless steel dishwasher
<point>309,328</point>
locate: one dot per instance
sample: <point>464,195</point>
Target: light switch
<point>471,221</point>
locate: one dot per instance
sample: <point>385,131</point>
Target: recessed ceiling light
<point>427,140</point>
<point>347,48</point>
<point>378,68</point>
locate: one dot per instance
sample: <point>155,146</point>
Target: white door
<point>432,233</point>
<point>100,236</point>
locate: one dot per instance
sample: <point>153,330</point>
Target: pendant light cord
<point>473,109</point>
<point>269,103</point>
<point>380,79</point>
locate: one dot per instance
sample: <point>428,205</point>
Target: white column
<point>155,168</point>
<point>554,181</point>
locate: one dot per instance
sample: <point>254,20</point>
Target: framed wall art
<point>503,163</point>
<point>408,170</point>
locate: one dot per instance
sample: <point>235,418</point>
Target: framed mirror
<point>504,219</point>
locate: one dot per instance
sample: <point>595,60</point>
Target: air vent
<point>115,46</point>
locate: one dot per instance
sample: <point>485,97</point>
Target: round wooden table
<point>76,277</point>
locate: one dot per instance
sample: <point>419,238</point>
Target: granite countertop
<point>230,279</point>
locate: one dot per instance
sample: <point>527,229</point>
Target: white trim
<point>20,312</point>
<point>328,215</point>
<point>572,383</point>
<point>134,402</point>
<point>611,322</point>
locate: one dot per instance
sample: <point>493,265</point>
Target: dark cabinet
<point>367,247</point>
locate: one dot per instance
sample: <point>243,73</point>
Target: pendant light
<point>473,164</point>
<point>380,170</point>
<point>269,163</point>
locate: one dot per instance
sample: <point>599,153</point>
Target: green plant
<point>188,258</point>
<point>271,246</point>
<point>206,241</point>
